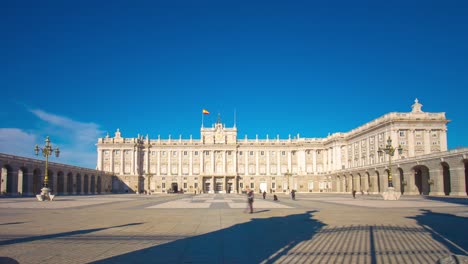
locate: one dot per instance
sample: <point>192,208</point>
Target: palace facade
<point>220,162</point>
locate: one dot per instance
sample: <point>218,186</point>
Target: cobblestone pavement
<point>185,228</point>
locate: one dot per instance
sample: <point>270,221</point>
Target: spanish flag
<point>205,112</point>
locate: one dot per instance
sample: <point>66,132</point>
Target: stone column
<point>65,183</point>
<point>122,154</point>
<point>257,163</point>
<point>148,160</point>
<point>224,170</point>
<point>190,162</point>
<point>99,160</point>
<point>179,169</point>
<point>213,162</point>
<point>314,161</point>
<point>268,172</point>
<point>111,165</point>
<point>443,140</point>
<point>20,182</point>
<point>411,142</point>
<point>82,184</point>
<point>437,176</point>
<point>427,141</point>
<point>246,159</point>
<point>457,181</point>
<point>133,165</point>
<point>278,163</point>
<point>410,188</point>
<point>202,165</point>
<point>158,165</point>
<point>169,162</point>
<point>289,162</point>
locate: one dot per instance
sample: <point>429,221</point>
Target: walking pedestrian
<point>293,194</point>
<point>354,194</point>
<point>264,195</point>
<point>250,200</point>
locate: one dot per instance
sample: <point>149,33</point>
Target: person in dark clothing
<point>250,200</point>
<point>264,195</point>
<point>275,198</point>
<point>293,194</point>
<point>354,194</point>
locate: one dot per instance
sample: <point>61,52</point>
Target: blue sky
<point>76,70</point>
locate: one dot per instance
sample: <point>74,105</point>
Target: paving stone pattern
<point>206,228</point>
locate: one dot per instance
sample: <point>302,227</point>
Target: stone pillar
<point>268,172</point>
<point>443,140</point>
<point>54,184</point>
<point>314,161</point>
<point>457,181</point>
<point>437,176</point>
<point>190,162</point>
<point>158,165</point>
<point>148,160</point>
<point>289,162</point>
<point>213,162</point>
<point>122,154</point>
<point>202,161</point>
<point>410,188</point>
<point>133,165</point>
<point>99,159</point>
<point>179,169</point>
<point>169,162</point>
<point>278,163</point>
<point>82,184</point>
<point>246,164</point>
<point>257,163</point>
<point>111,165</point>
<point>65,181</point>
<point>411,143</point>
<point>427,141</point>
<point>20,182</point>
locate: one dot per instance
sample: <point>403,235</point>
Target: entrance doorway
<point>263,187</point>
<point>174,187</point>
<point>207,187</point>
<point>219,187</point>
<point>229,187</point>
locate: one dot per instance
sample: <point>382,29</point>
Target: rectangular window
<point>163,185</point>
<point>402,134</point>
<point>185,153</point>
<point>207,153</point>
<point>229,153</point>
<point>262,153</point>
<point>273,153</point>
<point>117,152</point>
<point>195,185</point>
<point>273,185</point>
<point>106,152</point>
<point>240,153</point>
<point>196,153</point>
<point>252,185</point>
<point>241,185</point>
<point>163,153</point>
<point>251,153</point>
<point>185,185</point>
<point>174,153</point>
<point>283,153</point>
<point>418,143</point>
<point>434,135</point>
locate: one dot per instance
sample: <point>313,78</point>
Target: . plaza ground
<point>206,228</point>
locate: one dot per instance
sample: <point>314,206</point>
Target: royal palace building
<point>220,162</point>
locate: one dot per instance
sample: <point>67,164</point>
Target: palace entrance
<point>174,187</point>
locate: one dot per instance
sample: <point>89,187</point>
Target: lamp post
<point>288,174</point>
<point>390,151</point>
<point>47,150</point>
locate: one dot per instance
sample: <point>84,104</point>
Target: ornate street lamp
<point>390,151</point>
<point>47,150</point>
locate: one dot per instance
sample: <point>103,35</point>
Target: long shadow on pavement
<point>450,230</point>
<point>455,200</point>
<point>261,239</point>
<point>64,234</point>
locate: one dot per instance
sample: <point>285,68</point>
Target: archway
<point>86,184</point>
<point>37,181</point>
<point>60,182</point>
<point>9,183</point>
<point>78,184</point>
<point>26,181</point>
<point>70,183</point>
<point>93,184</point>
<point>446,177</point>
<point>174,187</point>
<point>99,184</point>
<point>421,179</point>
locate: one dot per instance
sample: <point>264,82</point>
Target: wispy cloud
<point>75,139</point>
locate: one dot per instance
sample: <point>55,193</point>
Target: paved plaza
<point>215,228</point>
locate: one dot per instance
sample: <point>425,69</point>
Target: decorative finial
<point>416,107</point>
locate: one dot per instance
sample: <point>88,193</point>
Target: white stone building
<point>220,162</point>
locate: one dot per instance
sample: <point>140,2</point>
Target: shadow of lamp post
<point>47,150</point>
<point>390,194</point>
